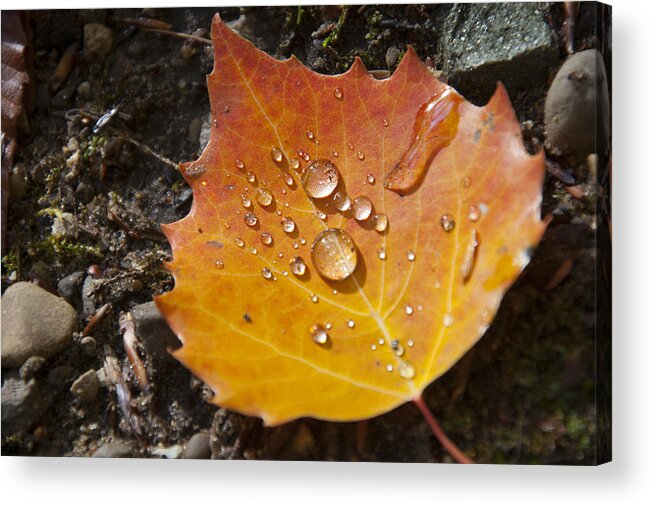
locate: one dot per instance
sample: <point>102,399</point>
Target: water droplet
<point>250,219</point>
<point>264,197</point>
<point>289,180</point>
<point>411,255</point>
<point>294,163</point>
<point>219,264</point>
<point>246,201</point>
<point>285,273</point>
<point>398,348</point>
<point>473,213</point>
<point>351,146</point>
<point>321,215</point>
<point>295,245</point>
<point>362,208</point>
<point>380,221</point>
<point>335,292</point>
<point>419,308</point>
<point>360,155</point>
<point>328,326</point>
<point>437,284</point>
<point>448,320</point>
<point>239,242</point>
<point>280,254</point>
<point>253,250</point>
<point>287,224</point>
<point>406,370</point>
<point>350,323</point>
<point>447,223</point>
<point>373,347</point>
<point>335,153</point>
<point>297,266</point>
<point>314,299</point>
<point>239,164</point>
<point>250,176</point>
<point>266,238</point>
<point>227,226</point>
<point>370,178</point>
<point>309,134</point>
<point>339,93</point>
<point>382,253</point>
<point>266,273</point>
<point>276,155</point>
<point>483,208</point>
<point>470,256</point>
<point>320,178</point>
<point>389,368</point>
<point>342,201</point>
<point>467,181</point>
<point>319,335</point>
<point>380,341</point>
<point>334,254</point>
<point>410,343</point>
<point>302,241</point>
<point>385,122</point>
<point>409,310</point>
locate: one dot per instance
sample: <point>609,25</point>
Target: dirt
<point>525,394</point>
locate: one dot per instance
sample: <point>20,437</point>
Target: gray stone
<point>113,450</point>
<point>577,108</point>
<point>508,42</point>
<point>34,323</point>
<point>31,368</point>
<point>85,388</point>
<point>198,447</point>
<point>98,39</point>
<point>22,405</point>
<point>392,56</point>
<point>18,181</point>
<point>88,303</point>
<point>69,287</point>
<point>152,330</point>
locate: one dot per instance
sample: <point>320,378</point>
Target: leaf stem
<point>458,455</point>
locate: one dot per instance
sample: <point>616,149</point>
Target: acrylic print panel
<point>373,233</point>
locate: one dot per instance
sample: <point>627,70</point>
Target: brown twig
<point>96,318</point>
<point>130,341</point>
<point>201,40</point>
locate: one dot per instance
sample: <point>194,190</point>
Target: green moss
<point>57,249</point>
<point>333,36</point>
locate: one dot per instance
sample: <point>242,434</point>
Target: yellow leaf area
<point>423,291</point>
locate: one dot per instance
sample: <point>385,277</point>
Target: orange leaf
<point>423,291</point>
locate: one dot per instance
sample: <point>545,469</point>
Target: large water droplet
<point>409,310</point>
<point>341,201</point>
<point>334,254</point>
<point>380,221</point>
<point>320,178</point>
<point>297,266</point>
<point>362,208</point>
<point>250,219</point>
<point>319,334</point>
<point>266,238</point>
<point>266,273</point>
<point>276,155</point>
<point>406,370</point>
<point>447,223</point>
<point>264,197</point>
<point>246,201</point>
<point>288,224</point>
<point>338,93</point>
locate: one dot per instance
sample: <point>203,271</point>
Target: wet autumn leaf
<point>303,287</point>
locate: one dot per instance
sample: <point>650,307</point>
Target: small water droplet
<point>321,215</point>
<point>239,242</point>
<point>398,348</point>
<point>250,219</point>
<point>334,254</point>
<point>246,201</point>
<point>473,213</point>
<point>297,266</point>
<point>360,155</point>
<point>483,208</point>
<point>266,238</point>
<point>362,208</point>
<point>338,93</point>
<point>419,308</point>
<point>294,163</point>
<point>314,299</point>
<point>447,223</point>
<point>341,201</point>
<point>409,310</point>
<point>389,368</point>
<point>351,146</point>
<point>295,245</point>
<point>266,273</point>
<point>335,292</point>
<point>219,264</point>
<point>328,326</point>
<point>302,241</point>
<point>410,343</point>
<point>406,370</point>
<point>319,335</point>
<point>385,122</point>
<point>380,341</point>
<point>320,178</point>
<point>253,250</point>
<point>285,273</point>
<point>309,134</point>
<point>380,221</point>
<point>350,323</point>
<point>467,181</point>
<point>335,153</point>
<point>289,180</point>
<point>370,178</point>
<point>264,197</point>
<point>227,226</point>
<point>448,320</point>
<point>250,176</point>
<point>382,253</point>
<point>287,224</point>
<point>373,347</point>
<point>280,254</point>
<point>276,155</point>
<point>239,164</point>
<point>437,284</point>
<point>411,255</point>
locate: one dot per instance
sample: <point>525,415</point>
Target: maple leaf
<point>292,302</point>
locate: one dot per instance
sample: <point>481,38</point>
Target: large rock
<point>22,405</point>
<point>34,323</point>
<point>508,42</point>
<point>577,108</point>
